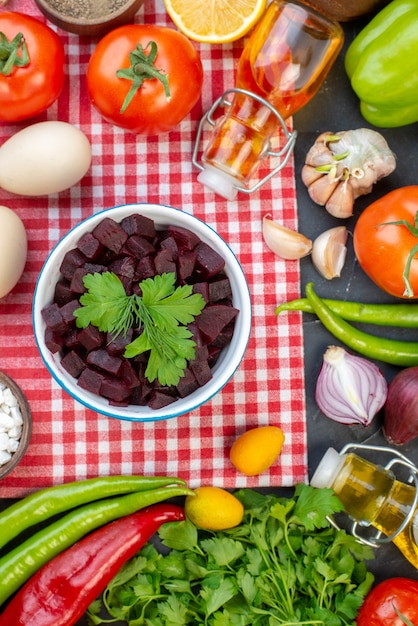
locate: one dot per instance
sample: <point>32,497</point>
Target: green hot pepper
<point>18,565</point>
<point>43,504</point>
<point>402,315</point>
<point>401,353</point>
<point>381,63</point>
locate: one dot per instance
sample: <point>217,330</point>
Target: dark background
<point>335,108</point>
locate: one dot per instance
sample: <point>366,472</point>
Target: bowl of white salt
<point>89,17</point>
<point>15,424</point>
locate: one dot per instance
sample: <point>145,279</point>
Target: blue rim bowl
<point>230,357</point>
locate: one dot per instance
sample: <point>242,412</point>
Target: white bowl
<point>26,433</point>
<point>230,357</point>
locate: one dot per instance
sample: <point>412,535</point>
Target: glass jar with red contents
<point>282,66</point>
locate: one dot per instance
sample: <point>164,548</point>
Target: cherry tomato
<point>160,97</point>
<point>386,242</point>
<point>391,603</point>
<point>28,88</point>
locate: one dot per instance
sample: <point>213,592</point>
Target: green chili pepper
<point>401,315</point>
<point>43,504</point>
<point>18,565</point>
<point>401,353</point>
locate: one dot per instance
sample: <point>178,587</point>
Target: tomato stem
<point>142,67</point>
<point>13,53</point>
<point>413,229</point>
<point>408,289</point>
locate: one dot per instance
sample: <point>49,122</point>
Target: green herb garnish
<point>162,313</point>
<point>284,564</point>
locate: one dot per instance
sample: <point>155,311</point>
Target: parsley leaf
<point>313,507</point>
<point>284,564</point>
<point>223,552</point>
<point>104,304</point>
<point>161,314</point>
<point>215,596</point>
<point>168,305</point>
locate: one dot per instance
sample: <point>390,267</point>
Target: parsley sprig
<point>161,313</point>
<point>284,564</point>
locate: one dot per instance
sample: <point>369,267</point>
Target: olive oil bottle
<point>372,496</point>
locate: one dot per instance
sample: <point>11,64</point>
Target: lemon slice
<point>215,21</point>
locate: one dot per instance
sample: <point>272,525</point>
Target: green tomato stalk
<point>142,68</point>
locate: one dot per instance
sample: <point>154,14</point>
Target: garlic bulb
<point>285,242</point>
<point>342,166</point>
<point>350,389</point>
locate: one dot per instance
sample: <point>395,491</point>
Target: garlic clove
<point>349,389</point>
<point>284,242</point>
<point>329,252</point>
<point>341,202</point>
<point>310,174</point>
<point>320,154</point>
<point>322,188</point>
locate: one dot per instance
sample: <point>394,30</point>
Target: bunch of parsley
<point>162,313</point>
<point>284,564</point>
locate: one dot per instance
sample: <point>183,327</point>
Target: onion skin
<point>400,415</point>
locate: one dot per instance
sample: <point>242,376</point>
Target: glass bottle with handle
<point>282,66</point>
<point>373,497</point>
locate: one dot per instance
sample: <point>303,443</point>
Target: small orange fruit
<point>256,450</point>
<point>213,508</point>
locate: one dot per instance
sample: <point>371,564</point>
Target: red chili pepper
<point>62,590</point>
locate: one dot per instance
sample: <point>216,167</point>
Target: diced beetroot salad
<point>135,250</point>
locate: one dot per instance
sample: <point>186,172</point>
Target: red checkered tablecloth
<point>70,442</point>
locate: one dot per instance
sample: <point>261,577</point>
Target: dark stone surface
<point>335,108</point>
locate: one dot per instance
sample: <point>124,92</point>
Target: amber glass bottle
<point>284,62</point>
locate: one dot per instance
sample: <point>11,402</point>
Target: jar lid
<point>218,181</point>
<point>328,468</point>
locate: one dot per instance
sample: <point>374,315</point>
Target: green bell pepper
<point>382,65</point>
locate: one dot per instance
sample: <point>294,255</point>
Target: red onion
<point>349,389</point>
<point>400,421</point>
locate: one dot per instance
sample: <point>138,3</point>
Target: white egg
<point>13,249</point>
<point>44,158</point>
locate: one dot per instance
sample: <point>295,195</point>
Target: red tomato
<point>150,111</point>
<point>378,609</point>
<point>30,89</point>
<point>384,250</point>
